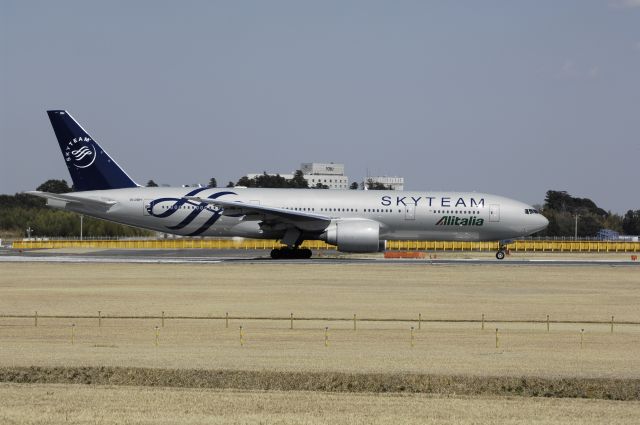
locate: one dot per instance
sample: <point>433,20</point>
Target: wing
<point>61,200</point>
<point>270,215</point>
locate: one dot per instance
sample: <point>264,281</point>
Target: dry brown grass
<point>499,291</point>
<point>449,349</point>
<point>78,404</point>
<point>603,388</point>
<point>450,358</point>
<point>387,291</point>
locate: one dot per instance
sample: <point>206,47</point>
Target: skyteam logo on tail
<point>80,152</point>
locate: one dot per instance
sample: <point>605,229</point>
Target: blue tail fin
<point>90,166</point>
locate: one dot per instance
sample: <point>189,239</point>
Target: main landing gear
<point>286,253</point>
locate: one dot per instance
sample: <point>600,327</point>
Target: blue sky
<point>506,97</point>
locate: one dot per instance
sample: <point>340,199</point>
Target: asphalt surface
<point>205,256</point>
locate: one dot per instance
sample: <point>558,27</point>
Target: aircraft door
<point>410,212</point>
<point>494,212</point>
<point>145,207</point>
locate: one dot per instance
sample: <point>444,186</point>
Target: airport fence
<point>418,320</point>
<point>103,330</point>
<point>525,245</point>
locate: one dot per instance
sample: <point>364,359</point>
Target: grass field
<point>78,404</point>
<point>466,291</point>
<point>446,349</point>
<point>443,292</point>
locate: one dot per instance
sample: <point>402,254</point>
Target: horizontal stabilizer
<point>78,201</point>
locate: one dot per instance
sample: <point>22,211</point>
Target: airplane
<point>352,220</point>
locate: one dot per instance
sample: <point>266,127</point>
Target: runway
<point>205,256</point>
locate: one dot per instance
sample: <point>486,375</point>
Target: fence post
<point>419,320</point>
<point>412,343</point>
<point>36,319</point>
<point>482,328</point>
<point>547,323</point>
<point>163,319</point>
<point>241,337</point>
<point>497,339</point>
<point>326,336</point>
<point>611,324</point>
<point>99,318</point>
<point>291,324</point>
<point>157,335</point>
<point>581,338</point>
<point>73,328</point>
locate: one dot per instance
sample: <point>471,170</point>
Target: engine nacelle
<point>358,235</point>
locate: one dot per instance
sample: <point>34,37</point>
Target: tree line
<point>20,212</point>
<point>561,210</point>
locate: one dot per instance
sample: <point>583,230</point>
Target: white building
<point>317,168</point>
<point>331,175</point>
<point>395,183</point>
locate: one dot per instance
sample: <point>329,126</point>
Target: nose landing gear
<point>502,250</point>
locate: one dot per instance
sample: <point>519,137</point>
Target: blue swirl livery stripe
<point>200,207</point>
<point>210,222</point>
<point>188,219</point>
<point>173,208</point>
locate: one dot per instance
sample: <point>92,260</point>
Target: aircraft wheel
<point>276,254</point>
<point>286,253</point>
<point>500,255</point>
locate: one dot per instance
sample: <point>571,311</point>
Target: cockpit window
<point>531,211</point>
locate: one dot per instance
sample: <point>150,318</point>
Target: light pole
<point>81,223</point>
<point>576,232</point>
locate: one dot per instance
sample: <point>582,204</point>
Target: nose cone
<point>541,222</point>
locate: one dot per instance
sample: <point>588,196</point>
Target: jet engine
<point>357,235</point>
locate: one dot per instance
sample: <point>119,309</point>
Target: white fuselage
<point>402,215</point>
